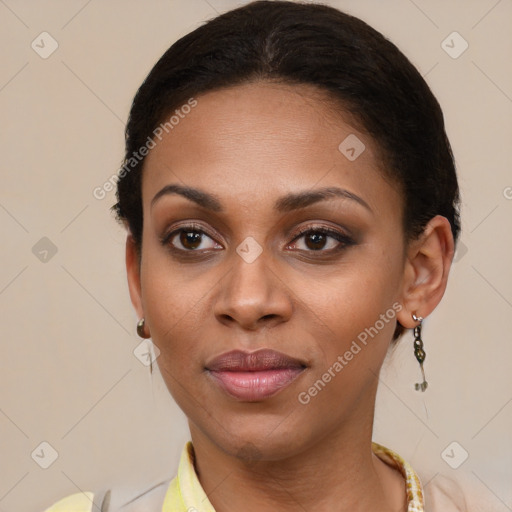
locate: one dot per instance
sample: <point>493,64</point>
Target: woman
<point>291,204</point>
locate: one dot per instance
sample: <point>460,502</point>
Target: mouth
<point>254,376</point>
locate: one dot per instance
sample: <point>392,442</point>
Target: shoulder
<point>458,494</point>
<point>122,499</point>
<point>78,502</point>
<point>127,498</point>
<point>445,495</point>
<point>83,502</point>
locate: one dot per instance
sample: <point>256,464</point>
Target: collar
<point>412,481</point>
<point>185,493</point>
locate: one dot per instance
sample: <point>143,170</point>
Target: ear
<point>133,273</point>
<point>426,271</point>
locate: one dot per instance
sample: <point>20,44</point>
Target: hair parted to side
<point>295,43</point>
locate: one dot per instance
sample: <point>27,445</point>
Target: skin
<point>249,145</point>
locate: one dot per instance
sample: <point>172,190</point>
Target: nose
<point>253,295</point>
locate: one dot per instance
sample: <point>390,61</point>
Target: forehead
<point>261,140</point>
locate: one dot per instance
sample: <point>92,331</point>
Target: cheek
<point>173,306</point>
<point>348,355</point>
<point>356,311</point>
<point>173,302</point>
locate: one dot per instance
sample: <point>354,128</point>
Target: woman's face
<point>241,276</point>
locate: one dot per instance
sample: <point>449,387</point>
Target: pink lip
<point>256,375</point>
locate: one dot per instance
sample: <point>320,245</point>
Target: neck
<point>339,473</point>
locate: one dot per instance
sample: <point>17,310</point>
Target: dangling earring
<point>419,352</point>
<point>141,325</point>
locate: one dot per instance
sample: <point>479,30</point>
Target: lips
<point>254,376</point>
<point>261,360</point>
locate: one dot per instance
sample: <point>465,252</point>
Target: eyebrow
<point>289,202</point>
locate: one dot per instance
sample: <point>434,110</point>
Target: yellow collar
<point>185,493</point>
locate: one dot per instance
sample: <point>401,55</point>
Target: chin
<point>256,438</point>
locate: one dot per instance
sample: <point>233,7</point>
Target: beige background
<point>69,375</point>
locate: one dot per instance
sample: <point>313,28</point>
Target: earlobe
<point>133,274</point>
<point>426,271</point>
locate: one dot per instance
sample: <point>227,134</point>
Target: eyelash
<point>343,239</point>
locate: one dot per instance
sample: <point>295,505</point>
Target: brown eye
<point>190,239</point>
<point>322,240</point>
<point>315,240</point>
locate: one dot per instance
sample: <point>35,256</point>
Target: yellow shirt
<point>184,493</point>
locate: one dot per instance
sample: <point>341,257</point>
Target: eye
<point>323,239</point>
<point>190,239</point>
